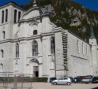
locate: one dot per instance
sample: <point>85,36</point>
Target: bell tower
<point>93,43</point>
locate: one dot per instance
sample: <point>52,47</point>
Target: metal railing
<point>16,81</point>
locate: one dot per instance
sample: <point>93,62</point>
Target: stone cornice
<point>30,38</point>
<point>42,14</point>
<point>34,18</point>
<point>84,58</point>
<point>33,8</point>
<point>34,57</point>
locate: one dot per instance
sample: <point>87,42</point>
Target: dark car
<point>72,79</point>
<point>52,78</point>
<point>95,79</point>
<point>77,80</point>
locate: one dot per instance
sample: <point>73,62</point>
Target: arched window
<point>2,53</point>
<point>52,45</point>
<point>6,17</point>
<point>35,32</point>
<point>17,50</point>
<point>19,15</point>
<point>2,16</point>
<point>1,66</point>
<point>15,16</point>
<point>3,34</point>
<point>34,48</point>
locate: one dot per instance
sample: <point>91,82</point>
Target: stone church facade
<point>31,44</point>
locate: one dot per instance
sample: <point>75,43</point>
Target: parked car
<point>78,79</point>
<point>87,79</point>
<point>89,75</point>
<point>51,79</point>
<point>64,80</point>
<point>72,79</point>
<point>95,79</point>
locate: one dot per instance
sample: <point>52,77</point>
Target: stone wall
<point>79,56</point>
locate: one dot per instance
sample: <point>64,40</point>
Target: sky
<point>19,2</point>
<point>91,4</point>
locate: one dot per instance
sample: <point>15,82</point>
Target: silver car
<point>64,80</point>
<point>87,80</point>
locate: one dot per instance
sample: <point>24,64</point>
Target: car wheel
<point>68,83</point>
<point>55,83</point>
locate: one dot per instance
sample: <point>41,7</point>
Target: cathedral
<point>31,44</point>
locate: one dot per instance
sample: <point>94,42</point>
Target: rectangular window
<point>77,46</point>
<point>2,53</point>
<point>86,50</point>
<point>15,16</point>
<point>82,47</point>
<point>6,17</point>
<point>3,34</point>
<point>17,50</point>
<point>19,15</point>
<point>2,16</point>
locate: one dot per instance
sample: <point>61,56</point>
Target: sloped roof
<point>9,3</point>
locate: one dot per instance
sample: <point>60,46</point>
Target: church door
<point>36,71</point>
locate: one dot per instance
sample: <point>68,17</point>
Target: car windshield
<point>95,78</point>
<point>65,78</point>
<point>60,78</point>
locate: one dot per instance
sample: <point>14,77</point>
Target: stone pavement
<point>72,86</point>
<point>41,85</point>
